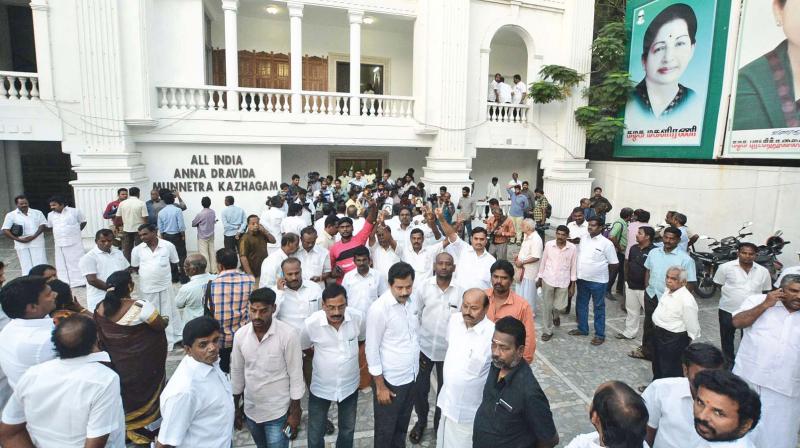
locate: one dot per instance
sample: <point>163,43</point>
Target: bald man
<point>190,297</point>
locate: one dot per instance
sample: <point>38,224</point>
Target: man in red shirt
<point>342,251</point>
<point>116,221</point>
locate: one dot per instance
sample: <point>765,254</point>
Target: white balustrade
<point>387,106</point>
<point>480,208</point>
<point>507,113</point>
<point>325,103</point>
<point>272,101</point>
<point>16,86</point>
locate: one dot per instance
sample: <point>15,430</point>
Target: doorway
<point>372,78</point>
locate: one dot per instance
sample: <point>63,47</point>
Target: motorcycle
<point>706,263</point>
<point>767,254</point>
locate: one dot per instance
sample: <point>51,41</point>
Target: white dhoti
<point>453,435</point>
<point>780,420</point>
<point>30,257</point>
<point>164,301</point>
<point>527,289</point>
<point>67,264</point>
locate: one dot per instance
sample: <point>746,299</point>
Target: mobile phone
<point>287,431</point>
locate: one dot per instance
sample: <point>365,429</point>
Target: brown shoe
<point>547,337</point>
<point>557,321</point>
<point>598,341</point>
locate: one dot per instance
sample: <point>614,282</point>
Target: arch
<point>486,43</point>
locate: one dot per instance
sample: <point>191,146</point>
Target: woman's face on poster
<point>670,53</point>
<point>788,17</point>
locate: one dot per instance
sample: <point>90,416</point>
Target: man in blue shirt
<point>234,224</point>
<point>172,228</point>
<point>519,203</point>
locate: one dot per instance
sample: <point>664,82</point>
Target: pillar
<point>230,8</point>
<point>13,163</point>
<point>356,18</point>
<point>41,37</point>
<point>296,35</point>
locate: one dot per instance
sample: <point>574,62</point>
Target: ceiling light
<point>369,20</point>
<point>272,9</point>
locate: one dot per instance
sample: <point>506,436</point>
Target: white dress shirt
<point>520,90</point>
<point>504,92</point>
<point>671,409</point>
<point>399,234</point>
<point>197,407</point>
<point>494,191</point>
<point>435,308</point>
<point>677,312</point>
<point>738,285</point>
<point>5,388</point>
<point>26,343</point>
<point>358,224</point>
<point>532,247</point>
<point>392,347</point>
<point>466,366</point>
<point>66,401</point>
<point>578,231</point>
<point>591,440</point>
<point>363,290</point>
<point>383,258</point>
<point>271,269</point>
<point>594,256</point>
<point>421,261</point>
<point>101,264</point>
<point>744,442</point>
<point>472,270</point>
<point>335,373</point>
<point>271,219</point>
<point>294,307</point>
<point>314,263</point>
<point>769,354</point>
<point>66,226</point>
<point>155,274</point>
<point>30,224</point>
<point>293,224</point>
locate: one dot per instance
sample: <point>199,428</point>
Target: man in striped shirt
<point>342,251</point>
<point>229,300</point>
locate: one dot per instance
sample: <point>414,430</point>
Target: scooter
<point>767,254</point>
<point>706,263</point>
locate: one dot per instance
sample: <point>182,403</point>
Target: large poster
<point>670,61</point>
<point>764,119</point>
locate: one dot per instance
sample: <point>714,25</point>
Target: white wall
<point>717,199</point>
<point>501,163</point>
<point>509,61</point>
<point>175,31</point>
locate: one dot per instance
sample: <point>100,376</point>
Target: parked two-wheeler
<point>767,254</point>
<point>706,263</point>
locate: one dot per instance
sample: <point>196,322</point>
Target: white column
<point>41,38</point>
<point>296,34</point>
<point>356,18</point>
<point>13,168</point>
<point>231,52</point>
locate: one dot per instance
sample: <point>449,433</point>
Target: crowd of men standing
<point>375,285</point>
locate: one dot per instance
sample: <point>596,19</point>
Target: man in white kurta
<point>30,243</point>
<point>67,223</point>
<point>769,359</point>
<point>152,259</point>
<point>98,264</point>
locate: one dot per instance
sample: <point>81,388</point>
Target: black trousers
<point>129,241</point>
<point>391,421</point>
<point>620,275</point>
<point>231,243</point>
<point>225,359</point>
<point>650,304</point>
<point>667,350</point>
<point>421,404</point>
<point>727,333</point>
<point>180,245</point>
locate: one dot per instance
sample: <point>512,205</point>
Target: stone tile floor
<point>568,368</point>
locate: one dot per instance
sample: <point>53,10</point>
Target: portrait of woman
<point>768,88</point>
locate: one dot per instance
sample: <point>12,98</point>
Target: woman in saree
<point>132,332</point>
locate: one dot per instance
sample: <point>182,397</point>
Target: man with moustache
<point>769,359</point>
<point>726,410</point>
<point>67,224</point>
<point>31,224</point>
<point>96,265</point>
<point>439,299</point>
<point>342,251</point>
<point>271,266</point>
<point>473,258</point>
<point>333,333</point>
<point>419,256</point>
<point>316,259</point>
<point>514,411</point>
<point>266,370</point>
<point>503,301</point>
<point>466,366</point>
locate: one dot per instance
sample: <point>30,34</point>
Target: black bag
<point>208,304</point>
<point>16,230</point>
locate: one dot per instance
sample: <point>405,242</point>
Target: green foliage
<point>556,84</point>
<point>561,75</point>
<point>612,30</point>
<point>612,92</point>
<point>543,92</point>
<point>604,130</point>
<point>587,115</point>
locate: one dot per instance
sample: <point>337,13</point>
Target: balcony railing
<point>16,86</point>
<point>275,101</point>
<point>507,113</point>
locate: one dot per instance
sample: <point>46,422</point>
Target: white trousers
<point>205,247</point>
<point>634,305</point>
<point>527,289</point>
<point>780,420</point>
<point>30,257</point>
<point>67,260</point>
<point>164,301</point>
<point>453,435</point>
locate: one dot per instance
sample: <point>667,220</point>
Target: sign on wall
<point>764,118</point>
<point>676,55</point>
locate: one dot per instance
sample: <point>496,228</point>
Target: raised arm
<point>448,230</point>
<point>747,318</point>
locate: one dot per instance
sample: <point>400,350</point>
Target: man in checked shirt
<point>229,298</point>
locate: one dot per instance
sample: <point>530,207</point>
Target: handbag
<point>16,230</point>
<point>208,304</point>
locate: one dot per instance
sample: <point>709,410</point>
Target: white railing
<point>387,106</point>
<point>480,208</point>
<point>507,113</point>
<point>326,103</point>
<point>264,100</point>
<point>202,98</point>
<point>19,86</point>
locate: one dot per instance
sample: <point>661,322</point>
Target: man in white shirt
<point>152,259</point>
<point>190,296</point>
<point>70,402</point>
<point>266,371</point>
<point>528,261</point>
<point>676,325</point>
<point>28,301</point>
<point>133,212</point>
<point>619,416</point>
<point>419,256</point>
<point>271,266</point>
<point>392,350</point>
<point>769,359</point>
<point>726,410</point>
<point>474,261</point>
<point>358,180</point>
<point>67,224</point>
<point>520,90</point>
<point>597,262</point>
<point>294,221</point>
<point>514,181</point>
<point>578,227</point>
<point>401,228</point>
<point>670,401</point>
<point>333,334</point>
<point>740,279</point>
<point>383,249</point>
<point>316,260</point>
<point>197,404</point>
<point>272,218</point>
<point>96,265</point>
<point>30,224</point>
<point>438,298</point>
<point>327,237</point>
<point>466,365</point>
<point>492,98</point>
<point>503,92</point>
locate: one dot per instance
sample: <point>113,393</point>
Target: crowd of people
<point>358,283</point>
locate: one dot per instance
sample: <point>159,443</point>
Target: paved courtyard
<point>567,367</point>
